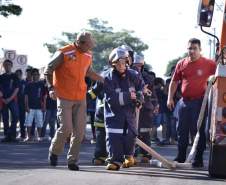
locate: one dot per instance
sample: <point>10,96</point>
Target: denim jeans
<point>50,118</point>
<point>10,131</point>
<point>188,113</point>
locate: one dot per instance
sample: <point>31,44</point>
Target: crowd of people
<point>26,101</point>
<point>125,101</point>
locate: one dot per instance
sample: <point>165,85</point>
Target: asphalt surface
<point>27,164</point>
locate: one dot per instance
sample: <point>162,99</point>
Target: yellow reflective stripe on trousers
<point>99,124</point>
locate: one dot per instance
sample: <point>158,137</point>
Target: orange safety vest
<point>69,77</point>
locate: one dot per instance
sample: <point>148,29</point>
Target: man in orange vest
<point>66,74</point>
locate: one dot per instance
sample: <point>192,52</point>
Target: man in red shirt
<point>193,73</point>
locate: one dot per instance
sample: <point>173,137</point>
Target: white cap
<point>138,59</point>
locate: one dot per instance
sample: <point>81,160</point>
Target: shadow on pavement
<point>155,172</point>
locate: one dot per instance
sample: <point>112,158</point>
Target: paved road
<point>26,164</point>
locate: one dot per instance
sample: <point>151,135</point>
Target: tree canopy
<point>172,63</point>
<point>106,40</point>
<point>7,9</point>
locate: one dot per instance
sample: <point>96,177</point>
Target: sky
<point>164,25</point>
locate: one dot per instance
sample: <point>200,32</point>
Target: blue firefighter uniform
<point>146,112</point>
<point>120,115</point>
<point>100,152</point>
<point>145,119</point>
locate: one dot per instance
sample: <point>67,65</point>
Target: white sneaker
<point>39,139</point>
<point>28,139</point>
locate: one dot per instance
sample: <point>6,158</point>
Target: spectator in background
<point>21,103</point>
<point>10,88</point>
<point>29,79</point>
<point>35,104</point>
<point>1,103</point>
<point>170,123</point>
<point>50,117</point>
<point>176,98</point>
<point>28,75</point>
<point>152,77</point>
<point>159,115</point>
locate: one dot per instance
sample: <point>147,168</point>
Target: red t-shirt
<point>194,76</point>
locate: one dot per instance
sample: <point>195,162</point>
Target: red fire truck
<point>217,108</point>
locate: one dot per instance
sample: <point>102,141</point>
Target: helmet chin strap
<point>121,75</point>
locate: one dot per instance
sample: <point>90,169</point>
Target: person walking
<point>66,74</point>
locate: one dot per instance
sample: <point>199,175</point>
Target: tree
<point>106,40</point>
<point>172,63</point>
<point>7,9</point>
<point>148,67</point>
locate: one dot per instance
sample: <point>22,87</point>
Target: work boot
<point>198,160</point>
<point>53,159</point>
<point>180,159</point>
<point>164,142</point>
<point>73,167</point>
<point>113,166</point>
<point>128,162</point>
<point>197,164</point>
<point>145,160</point>
<point>181,156</point>
<point>99,161</point>
<point>173,142</point>
<point>6,140</point>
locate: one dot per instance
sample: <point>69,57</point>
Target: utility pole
<point>210,47</point>
<point>214,42</point>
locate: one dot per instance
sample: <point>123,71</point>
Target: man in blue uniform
<point>100,152</point>
<point>146,112</point>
